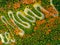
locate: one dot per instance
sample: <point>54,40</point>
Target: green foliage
<point>39,38</point>
<point>57,4</point>
<point>3,0</point>
<point>2,3</point>
<point>45,2</point>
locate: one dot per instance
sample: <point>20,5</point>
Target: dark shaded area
<point>57,4</point>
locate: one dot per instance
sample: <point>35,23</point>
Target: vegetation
<point>43,32</point>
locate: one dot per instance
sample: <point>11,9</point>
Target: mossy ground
<point>38,37</point>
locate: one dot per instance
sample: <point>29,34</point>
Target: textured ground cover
<point>41,32</point>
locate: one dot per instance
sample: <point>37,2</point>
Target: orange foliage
<point>28,1</point>
<point>39,22</point>
<point>47,13</point>
<point>48,31</point>
<point>56,17</point>
<point>47,25</point>
<point>44,11</point>
<point>52,10</point>
<point>16,31</point>
<point>16,5</point>
<point>0,42</point>
<point>35,28</point>
<point>52,20</point>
